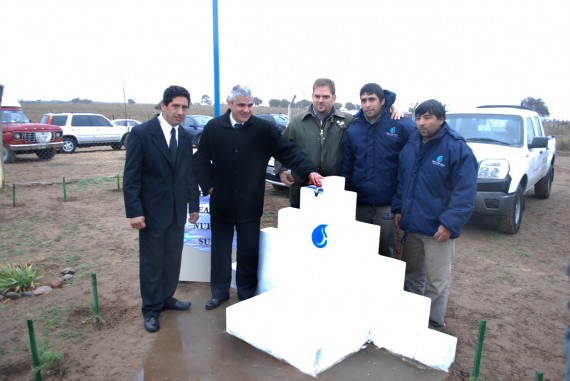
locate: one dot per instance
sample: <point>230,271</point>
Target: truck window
<point>97,120</point>
<point>529,130</point>
<point>537,128</point>
<point>80,121</point>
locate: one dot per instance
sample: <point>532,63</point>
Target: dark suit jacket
<point>233,161</point>
<point>154,186</point>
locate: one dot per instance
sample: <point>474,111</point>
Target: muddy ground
<point>517,283</point>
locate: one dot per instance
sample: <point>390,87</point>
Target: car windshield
<point>281,119</point>
<point>14,116</point>
<point>489,128</point>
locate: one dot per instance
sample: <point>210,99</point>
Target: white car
<point>86,130</point>
<point>130,123</point>
<point>514,155</point>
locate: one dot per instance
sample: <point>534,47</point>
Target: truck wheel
<point>117,146</point>
<point>7,155</point>
<point>543,187</point>
<point>511,223</point>
<point>69,145</point>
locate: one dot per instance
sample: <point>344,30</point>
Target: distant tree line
<point>82,101</point>
<point>74,100</point>
<point>536,104</point>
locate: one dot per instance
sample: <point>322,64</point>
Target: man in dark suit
<point>160,190</point>
<point>230,165</point>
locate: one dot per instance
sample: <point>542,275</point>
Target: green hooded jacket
<point>323,144</point>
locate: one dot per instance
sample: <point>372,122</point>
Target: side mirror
<point>539,142</point>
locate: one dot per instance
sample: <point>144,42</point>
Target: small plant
<point>95,318</point>
<point>49,360</point>
<point>18,278</point>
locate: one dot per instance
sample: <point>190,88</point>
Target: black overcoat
<point>233,162</point>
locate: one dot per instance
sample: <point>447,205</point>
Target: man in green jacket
<point>318,131</point>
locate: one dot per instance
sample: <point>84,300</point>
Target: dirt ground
<point>517,283</point>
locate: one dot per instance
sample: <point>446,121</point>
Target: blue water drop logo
<point>439,159</point>
<point>319,236</point>
<point>392,130</point>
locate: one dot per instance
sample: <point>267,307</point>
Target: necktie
<point>173,146</point>
<point>238,125</point>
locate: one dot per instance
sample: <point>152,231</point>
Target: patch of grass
<point>14,243</point>
<point>25,225</point>
<point>72,259</point>
<point>8,251</point>
<point>34,242</point>
<point>67,230</point>
<point>71,334</point>
<point>92,184</point>
<point>53,318</point>
<point>82,275</point>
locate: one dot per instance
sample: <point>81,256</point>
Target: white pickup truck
<point>514,155</point>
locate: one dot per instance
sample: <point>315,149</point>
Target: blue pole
<point>216,59</point>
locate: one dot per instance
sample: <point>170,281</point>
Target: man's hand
<point>315,178</point>
<point>396,115</point>
<point>286,178</point>
<point>442,234</point>
<point>138,223</point>
<point>193,217</point>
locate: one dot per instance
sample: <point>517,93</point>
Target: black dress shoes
<point>151,324</point>
<point>175,304</point>
<point>214,303</point>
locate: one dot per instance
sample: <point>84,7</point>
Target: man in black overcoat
<point>230,165</point>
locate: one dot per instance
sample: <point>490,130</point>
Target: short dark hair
<point>372,88</point>
<point>172,92</point>
<point>431,107</point>
<point>320,82</point>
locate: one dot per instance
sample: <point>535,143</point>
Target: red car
<point>20,136</point>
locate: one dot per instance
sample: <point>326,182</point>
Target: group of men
<point>420,179</point>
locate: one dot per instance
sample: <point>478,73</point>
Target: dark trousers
<point>221,257</point>
<point>160,256</point>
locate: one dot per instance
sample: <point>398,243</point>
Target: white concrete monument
<point>325,293</point>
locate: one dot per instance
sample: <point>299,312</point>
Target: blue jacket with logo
<point>370,154</point>
<point>437,183</point>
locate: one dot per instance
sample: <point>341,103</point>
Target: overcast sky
<point>463,53</point>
